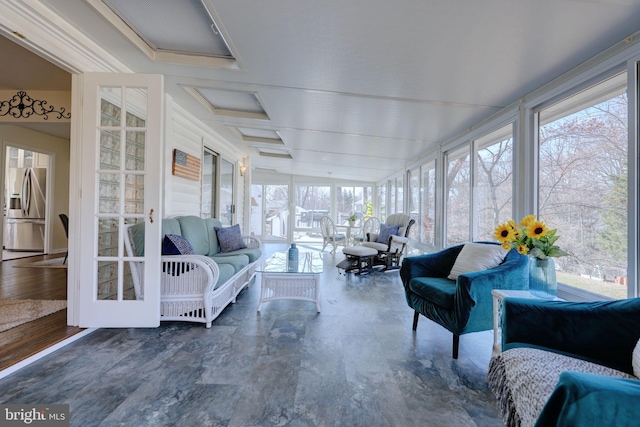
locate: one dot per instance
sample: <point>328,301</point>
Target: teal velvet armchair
<point>604,333</point>
<point>464,305</point>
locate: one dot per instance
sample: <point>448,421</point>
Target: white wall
<point>186,133</point>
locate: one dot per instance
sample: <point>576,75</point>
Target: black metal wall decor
<point>23,106</point>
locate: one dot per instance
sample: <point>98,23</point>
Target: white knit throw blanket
<point>523,379</point>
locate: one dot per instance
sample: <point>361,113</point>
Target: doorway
<point>23,271</point>
<point>26,273</point>
<point>26,218</point>
<point>47,144</point>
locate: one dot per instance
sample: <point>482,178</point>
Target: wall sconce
<point>243,165</point>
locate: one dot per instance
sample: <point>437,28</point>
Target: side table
<point>279,282</point>
<point>498,296</point>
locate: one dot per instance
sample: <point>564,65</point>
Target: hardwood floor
<point>23,341</point>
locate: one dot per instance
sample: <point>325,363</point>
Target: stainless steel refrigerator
<point>25,222</point>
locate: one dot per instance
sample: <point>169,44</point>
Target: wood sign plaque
<point>185,165</point>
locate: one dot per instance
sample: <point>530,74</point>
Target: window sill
<point>571,293</point>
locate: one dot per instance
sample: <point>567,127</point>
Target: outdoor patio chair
<point>330,235</point>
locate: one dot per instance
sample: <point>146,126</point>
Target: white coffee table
<point>302,284</point>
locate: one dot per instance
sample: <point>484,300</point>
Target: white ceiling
<point>359,89</point>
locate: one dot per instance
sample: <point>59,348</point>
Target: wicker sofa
<point>196,287</point>
<point>568,363</point>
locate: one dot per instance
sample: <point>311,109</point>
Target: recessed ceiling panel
<point>265,136</point>
<point>232,100</point>
<point>280,154</point>
<point>259,133</point>
<point>231,103</point>
<point>183,26</point>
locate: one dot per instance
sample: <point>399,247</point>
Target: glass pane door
<point>227,208</point>
<point>121,171</point>
<point>209,178</point>
<point>120,185</point>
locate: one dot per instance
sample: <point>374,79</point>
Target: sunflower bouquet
<point>529,237</point>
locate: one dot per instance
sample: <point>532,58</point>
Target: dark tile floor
<point>357,363</point>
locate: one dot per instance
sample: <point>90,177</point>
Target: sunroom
<point>459,153</point>
<point>271,115</point>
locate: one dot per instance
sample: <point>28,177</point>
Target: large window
<point>354,200</point>
<point>382,201</point>
<point>414,202</point>
<point>312,202</point>
<point>392,197</point>
<point>270,211</point>
<point>422,182</point>
<point>399,194</point>
<point>582,185</point>
<point>493,183</point>
<point>457,197</point>
<point>428,205</point>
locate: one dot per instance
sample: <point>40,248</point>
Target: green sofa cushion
<point>226,272</point>
<point>214,246</point>
<point>194,230</point>
<point>438,290</point>
<point>170,226</point>
<point>252,253</point>
<point>238,262</point>
<point>137,238</point>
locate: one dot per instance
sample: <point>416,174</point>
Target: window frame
<point>497,135</point>
<point>532,122</point>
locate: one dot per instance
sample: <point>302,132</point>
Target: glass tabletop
<point>308,263</point>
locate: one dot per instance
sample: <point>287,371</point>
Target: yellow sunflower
<point>523,250</point>
<point>504,233</point>
<point>506,246</point>
<point>537,229</point>
<point>527,220</point>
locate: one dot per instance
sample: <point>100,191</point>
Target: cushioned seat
<point>379,247</point>
<point>237,261</point>
<point>359,251</point>
<point>226,272</point>
<point>252,253</point>
<point>438,290</point>
<point>463,305</point>
<point>359,258</point>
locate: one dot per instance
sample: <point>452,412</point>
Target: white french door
<point>122,142</point>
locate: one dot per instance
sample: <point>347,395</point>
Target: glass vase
<point>542,278</point>
<point>292,259</point>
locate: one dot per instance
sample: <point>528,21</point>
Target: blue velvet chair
<point>603,332</point>
<point>464,305</point>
